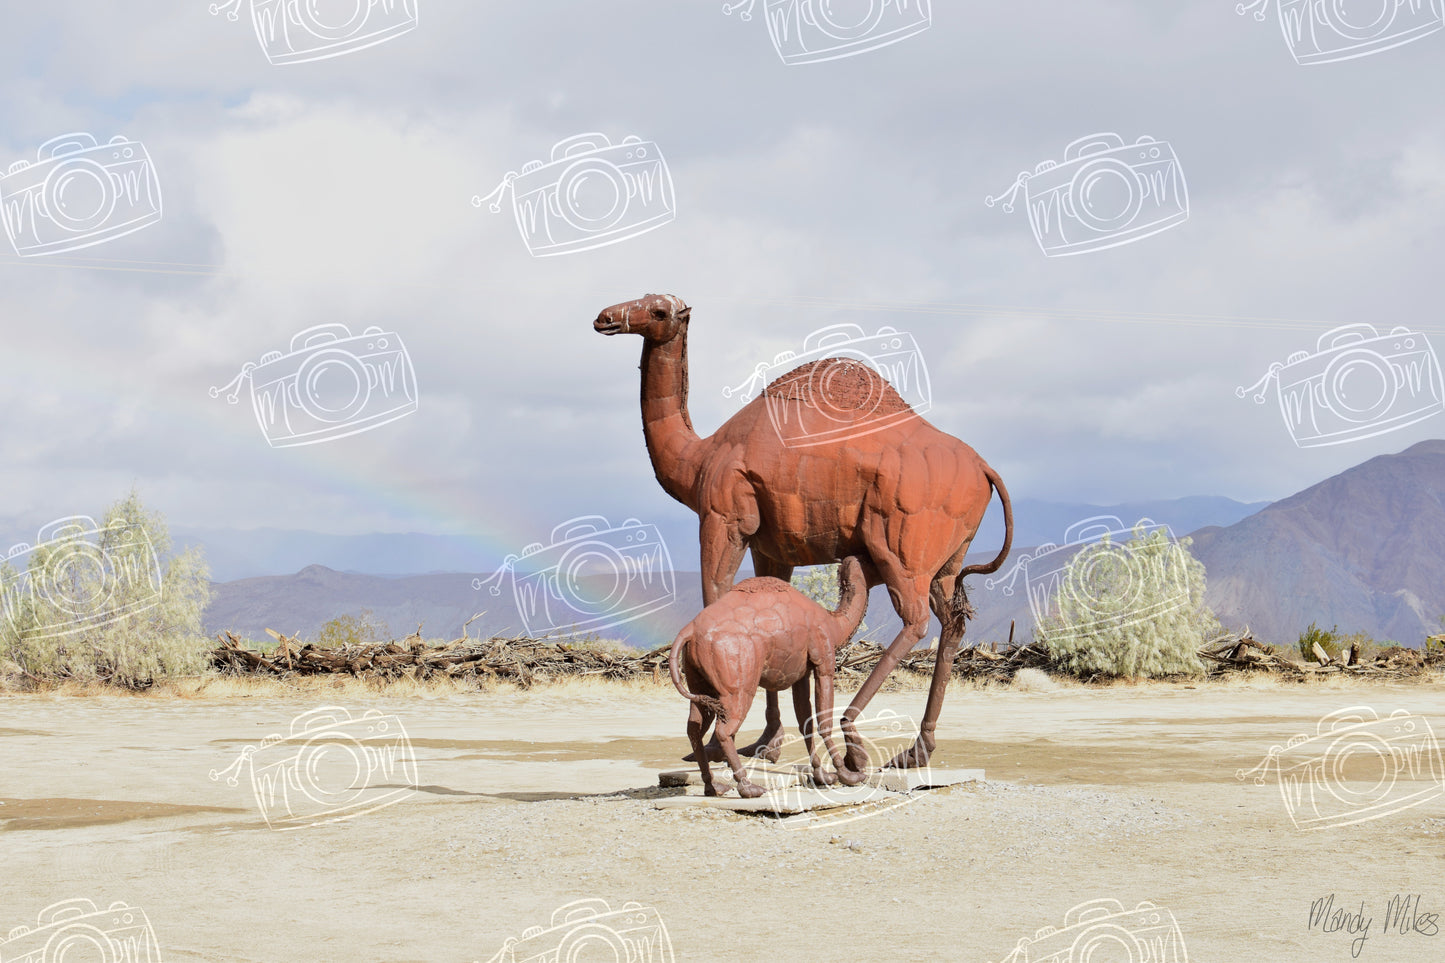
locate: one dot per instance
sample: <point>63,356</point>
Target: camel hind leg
<point>736,709</point>
<point>698,720</point>
<point>949,601</point>
<point>910,601</point>
<point>723,547</point>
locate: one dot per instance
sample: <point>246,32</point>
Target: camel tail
<point>1008,533</point>
<point>674,665</point>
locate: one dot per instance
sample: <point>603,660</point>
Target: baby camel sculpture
<point>765,633</point>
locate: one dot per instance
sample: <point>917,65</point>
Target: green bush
<point>111,605</point>
<point>1327,639</point>
<point>1115,612</point>
<point>361,629</point>
<point>1337,644</point>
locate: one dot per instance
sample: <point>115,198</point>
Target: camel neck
<point>665,423</point>
<point>852,604</point>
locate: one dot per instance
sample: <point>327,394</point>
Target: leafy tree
<point>108,603</point>
<point>1134,611</point>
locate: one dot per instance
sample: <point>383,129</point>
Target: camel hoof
<point>710,791</point>
<point>851,777</point>
<point>714,754</point>
<point>748,790</point>
<point>760,751</point>
<point>914,757</point>
<point>824,777</point>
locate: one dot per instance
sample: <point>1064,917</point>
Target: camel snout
<point>607,323</point>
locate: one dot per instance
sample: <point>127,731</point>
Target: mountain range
<point>1364,550</point>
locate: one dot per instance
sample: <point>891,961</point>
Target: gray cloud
<point>849,191</point>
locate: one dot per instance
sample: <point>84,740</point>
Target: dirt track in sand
<point>525,802</point>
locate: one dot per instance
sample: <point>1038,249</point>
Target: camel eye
<point>658,313</point>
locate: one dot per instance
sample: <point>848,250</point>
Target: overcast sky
<point>338,190</point>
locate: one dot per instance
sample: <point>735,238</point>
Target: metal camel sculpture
<point>906,499</point>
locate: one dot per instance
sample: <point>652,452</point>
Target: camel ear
<point>684,314</point>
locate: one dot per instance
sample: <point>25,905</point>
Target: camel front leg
<point>823,683</point>
<point>769,745</point>
<point>804,711</point>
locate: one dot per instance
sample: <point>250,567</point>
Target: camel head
<point>657,317</point>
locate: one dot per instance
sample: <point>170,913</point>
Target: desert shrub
<point>360,629</point>
<point>1337,644</point>
<point>1135,611</point>
<point>1327,639</point>
<point>110,604</point>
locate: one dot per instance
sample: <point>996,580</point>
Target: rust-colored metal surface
<point>905,498</point>
<point>765,633</point>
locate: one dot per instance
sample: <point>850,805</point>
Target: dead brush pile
<point>1240,652</point>
<point>522,661</point>
<point>528,661</point>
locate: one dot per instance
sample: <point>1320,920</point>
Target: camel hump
<point>841,384</point>
<point>762,585</point>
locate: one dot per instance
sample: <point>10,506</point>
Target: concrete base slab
<point>767,775</point>
<point>802,797</point>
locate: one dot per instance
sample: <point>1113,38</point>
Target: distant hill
<point>1364,550</point>
<point>235,553</point>
<point>303,601</point>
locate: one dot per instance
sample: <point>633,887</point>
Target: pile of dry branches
<point>856,659</point>
<point>1238,651</point>
<point>526,661</point>
<point>521,660</point>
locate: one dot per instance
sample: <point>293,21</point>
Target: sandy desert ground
<point>525,802</point>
